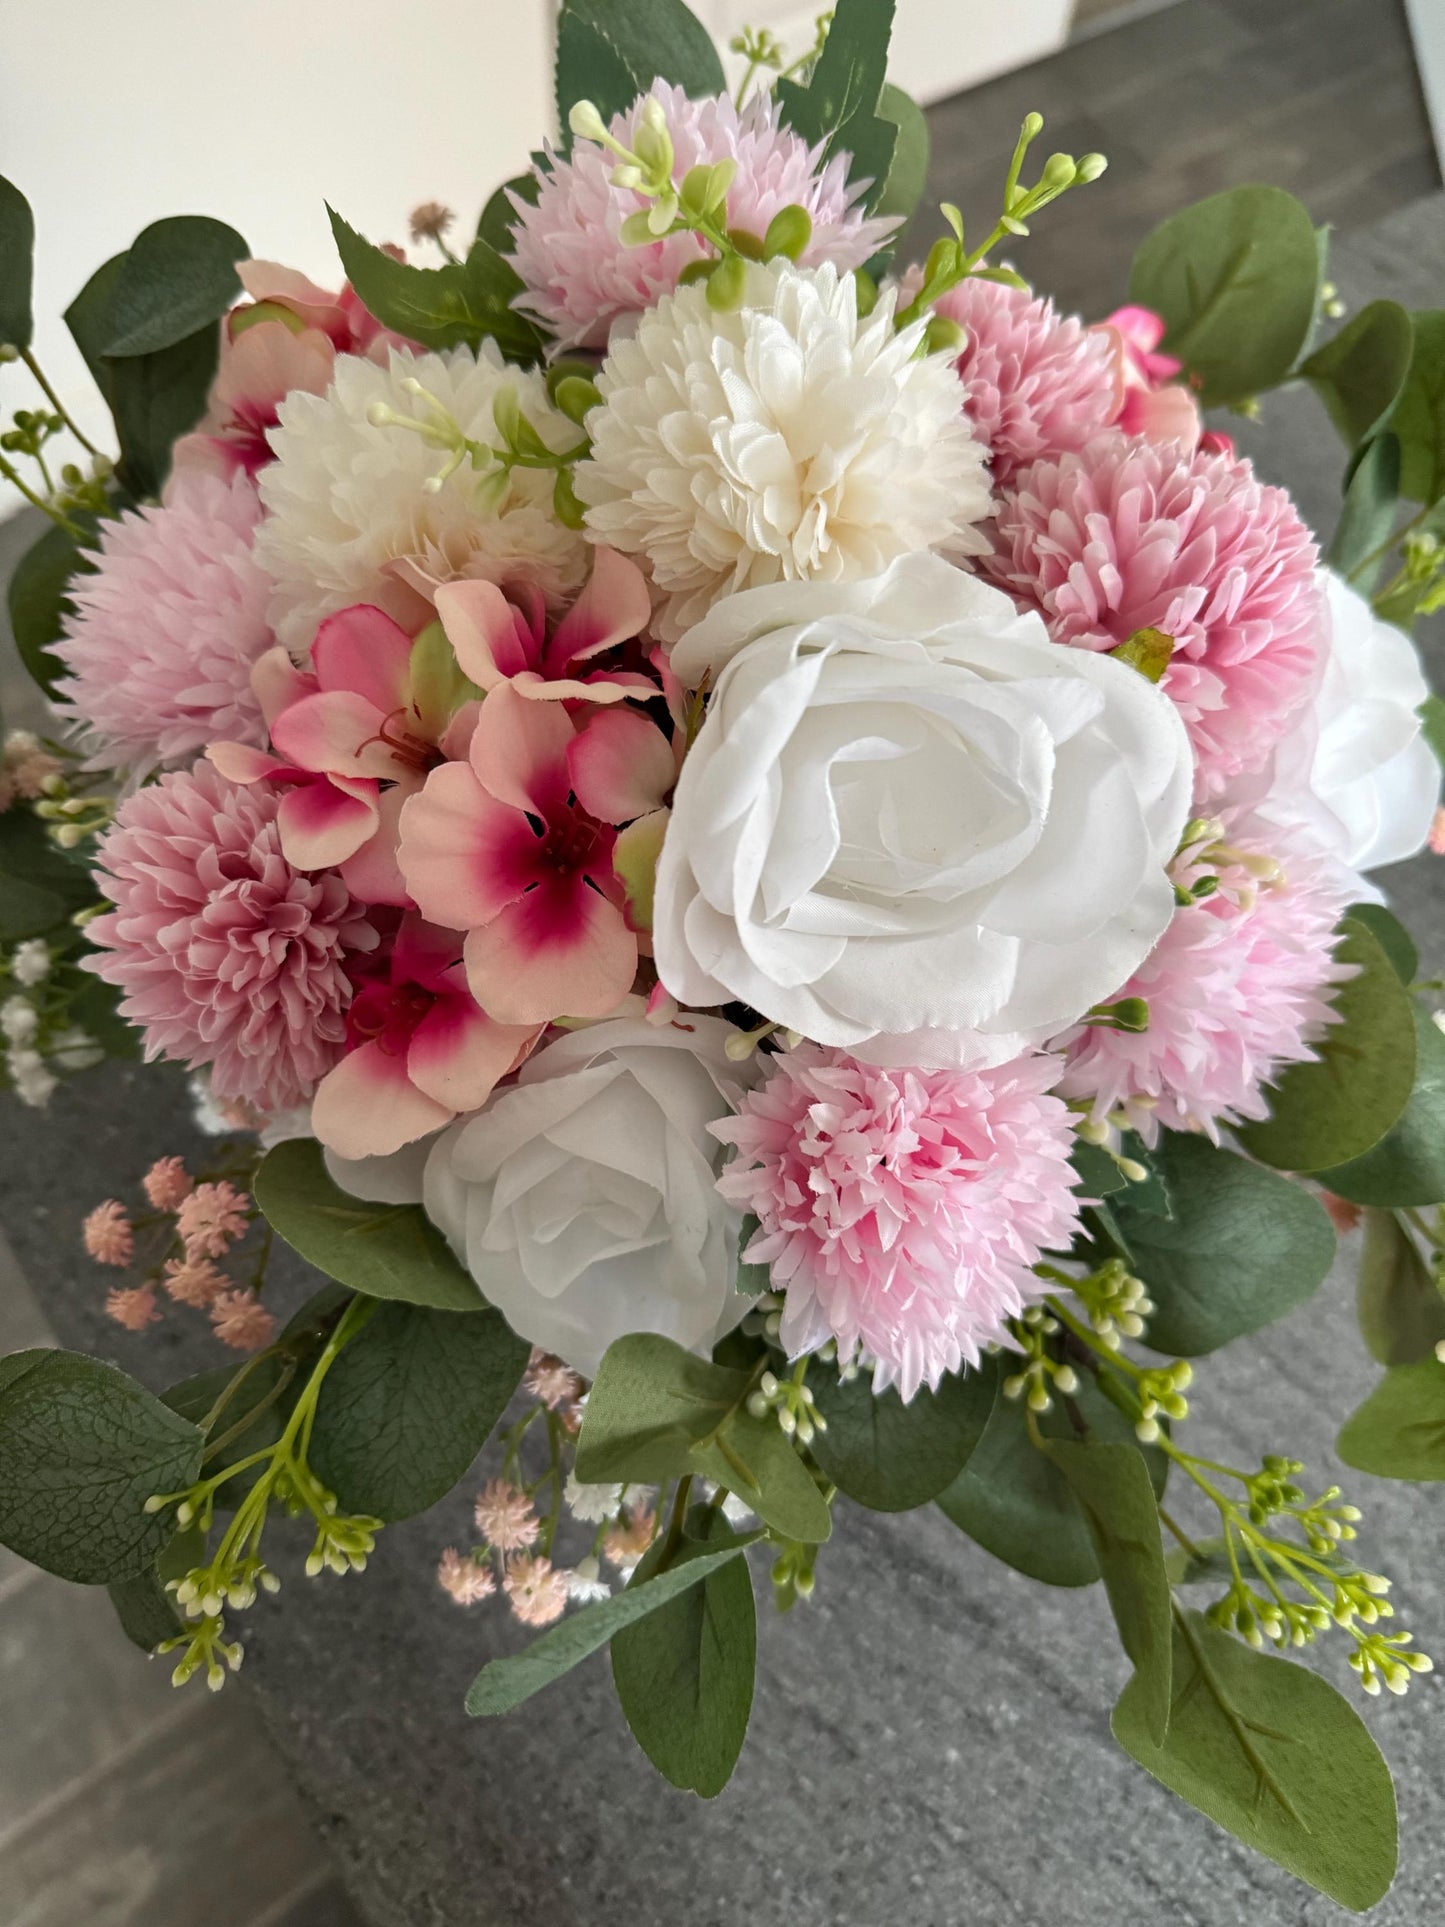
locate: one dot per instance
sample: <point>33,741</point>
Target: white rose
<point>911,826</point>
<point>1358,767</point>
<point>582,1199</point>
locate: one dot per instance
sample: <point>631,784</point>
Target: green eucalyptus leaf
<point>1273,1754</point>
<point>610,51</point>
<point>1331,1111</point>
<point>1401,1308</point>
<point>84,1447</point>
<point>1236,279</point>
<point>1243,1247</point>
<point>684,1674</point>
<point>1392,936</point>
<point>1407,1166</point>
<point>409,1403</point>
<point>179,276</point>
<point>37,602</point>
<point>1419,414</point>
<point>1099,1174</point>
<point>908,170</point>
<point>462,303</point>
<point>1207,1563</point>
<point>40,886</point>
<point>1399,1431</point>
<point>504,1684</point>
<point>1367,515</point>
<point>381,1250</point>
<point>890,1456</point>
<point>147,1612</point>
<point>1360,372</point>
<point>499,217</point>
<point>841,102</point>
<point>17,266</point>
<point>1432,724</point>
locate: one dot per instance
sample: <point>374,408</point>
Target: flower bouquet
<point>764,855</point>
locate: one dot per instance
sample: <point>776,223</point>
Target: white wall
<point>116,112</point>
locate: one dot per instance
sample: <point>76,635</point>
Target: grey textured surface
<point>930,1740</point>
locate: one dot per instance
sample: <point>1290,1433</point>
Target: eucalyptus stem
<point>56,403</point>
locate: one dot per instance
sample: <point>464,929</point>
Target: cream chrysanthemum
<point>785,441</point>
<point>350,518</point>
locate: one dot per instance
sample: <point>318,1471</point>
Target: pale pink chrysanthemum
<point>549,1380</point>
<point>901,1211</point>
<point>133,1307</point>
<point>506,1517</point>
<point>166,1183</point>
<point>1039,383</point>
<point>212,1218</point>
<point>195,1282</point>
<point>538,1592</point>
<point>108,1235</point>
<point>224,953</point>
<point>1131,535</point>
<point>568,248</point>
<point>627,1540</point>
<point>240,1320</point>
<point>166,629</point>
<point>1238,987</point>
<point>464,1578</point>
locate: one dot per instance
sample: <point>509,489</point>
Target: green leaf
<point>1432,722</point>
<point>684,1675</point>
<point>1407,1166</point>
<point>610,51</point>
<point>656,1412</point>
<point>36,599</point>
<point>178,276</point>
<point>1147,650</point>
<point>88,319</point>
<point>505,1683</point>
<point>1244,1247</point>
<point>841,101</point>
<point>384,1251</point>
<point>1331,1111</point>
<point>1116,1495</point>
<point>890,1456</point>
<point>459,304</point>
<point>1401,1309</point>
<point>1419,417</point>
<point>40,886</point>
<point>1017,1504</point>
<point>1273,1754</point>
<point>1235,278</point>
<point>1399,1431</point>
<point>1360,372</point>
<point>17,266</point>
<point>409,1403</point>
<point>1391,935</point>
<point>1372,495</point>
<point>908,170</point>
<point>84,1447</point>
<point>499,217</point>
<point>1208,1563</point>
<point>146,1611</point>
<point>1099,1174</point>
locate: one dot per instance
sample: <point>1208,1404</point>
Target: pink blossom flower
<point>167,627</point>
<point>212,1218</point>
<point>549,1380</point>
<point>538,1592</point>
<point>464,1578</point>
<point>506,1517</point>
<point>1129,536</point>
<point>420,1048</point>
<point>1151,403</point>
<point>568,247</point>
<point>902,1211</point>
<point>26,766</point>
<point>166,1183</point>
<point>1437,833</point>
<point>108,1235</point>
<point>1238,987</point>
<point>225,955</point>
<point>240,1320</point>
<point>1038,383</point>
<point>195,1281</point>
<point>627,1540</point>
<point>133,1308</point>
<point>514,846</point>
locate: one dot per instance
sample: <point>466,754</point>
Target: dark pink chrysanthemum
<point>224,954</point>
<point>1129,535</point>
<point>1039,383</point>
<point>1238,987</point>
<point>901,1211</point>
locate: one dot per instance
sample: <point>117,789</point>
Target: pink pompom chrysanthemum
<point>1238,987</point>
<point>901,1211</point>
<point>223,953</point>
<point>1039,383</point>
<point>568,248</point>
<point>1128,535</point>
<point>167,628</point>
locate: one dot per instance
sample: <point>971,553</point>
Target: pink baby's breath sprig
<point>625,1542</point>
<point>194,1281</point>
<point>240,1320</point>
<point>132,1307</point>
<point>166,1184</point>
<point>464,1577</point>
<point>109,1235</point>
<point>549,1380</point>
<point>506,1517</point>
<point>537,1591</point>
<point>211,1218</point>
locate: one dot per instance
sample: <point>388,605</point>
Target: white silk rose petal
<point>583,1199</point>
<point>911,826</point>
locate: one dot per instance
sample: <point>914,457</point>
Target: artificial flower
<point>785,441</point>
<point>132,1307</point>
<point>465,1578</point>
<point>166,1183</point>
<point>1152,401</point>
<point>911,826</point>
<point>108,1235</point>
<point>506,1517</point>
<point>537,1590</point>
<point>240,1320</point>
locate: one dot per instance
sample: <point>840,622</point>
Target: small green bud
<point>586,123</point>
<point>1033,126</point>
<point>569,509</point>
<point>1058,172</point>
<point>576,397</point>
<point>789,232</point>
<point>943,336</point>
<point>727,284</point>
<point>942,261</point>
<point>1090,167</point>
<point>865,290</point>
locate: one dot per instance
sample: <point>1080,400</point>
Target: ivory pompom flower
<point>351,519</point>
<point>223,954</point>
<point>167,627</point>
<point>901,1211</point>
<point>1129,535</point>
<point>1238,988</point>
<point>786,441</point>
<point>567,246</point>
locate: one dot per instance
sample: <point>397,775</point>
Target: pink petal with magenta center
<point>614,607</point>
<point>488,634</point>
<point>621,765</point>
<point>321,824</point>
<point>337,732</point>
<point>458,1052</point>
<point>362,650</point>
<point>519,751</point>
<point>464,855</point>
<point>367,1106</point>
<point>561,950</point>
